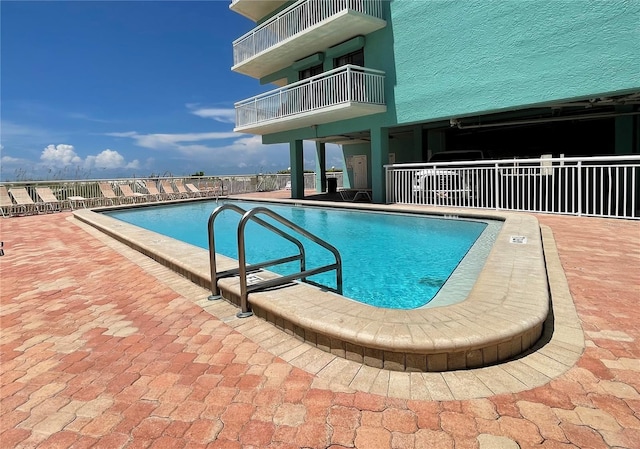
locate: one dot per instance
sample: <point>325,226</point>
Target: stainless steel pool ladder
<point>243,268</point>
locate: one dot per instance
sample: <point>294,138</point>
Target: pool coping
<point>512,294</point>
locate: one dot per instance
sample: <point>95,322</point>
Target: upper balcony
<point>339,94</point>
<point>304,28</point>
<point>255,10</point>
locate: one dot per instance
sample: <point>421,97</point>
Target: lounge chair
<point>182,192</point>
<point>194,190</point>
<point>152,191</point>
<point>168,190</point>
<point>215,188</point>
<point>23,199</point>
<point>130,195</point>
<point>50,203</point>
<point>354,195</point>
<point>109,198</point>
<point>7,206</point>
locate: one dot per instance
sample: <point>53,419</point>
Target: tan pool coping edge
<point>554,357</point>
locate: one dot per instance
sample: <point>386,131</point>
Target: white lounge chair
<point>182,191</point>
<point>194,190</point>
<point>152,191</point>
<point>130,195</point>
<point>23,199</point>
<point>168,190</point>
<point>50,203</point>
<point>7,206</point>
<point>109,198</point>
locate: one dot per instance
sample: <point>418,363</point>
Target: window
<point>354,58</point>
<point>311,71</point>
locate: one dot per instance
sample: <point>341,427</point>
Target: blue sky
<point>93,89</point>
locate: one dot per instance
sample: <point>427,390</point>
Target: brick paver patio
<point>105,349</point>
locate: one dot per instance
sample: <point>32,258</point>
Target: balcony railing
<point>301,18</point>
<point>255,10</point>
<point>346,85</point>
<point>590,186</point>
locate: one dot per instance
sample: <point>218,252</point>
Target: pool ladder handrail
<point>243,268</point>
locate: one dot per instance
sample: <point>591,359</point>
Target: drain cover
<point>518,239</point>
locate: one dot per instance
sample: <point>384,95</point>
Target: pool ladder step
<point>244,268</point>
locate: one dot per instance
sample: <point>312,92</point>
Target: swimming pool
<point>389,260</point>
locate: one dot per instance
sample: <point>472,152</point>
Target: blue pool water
<point>389,260</point>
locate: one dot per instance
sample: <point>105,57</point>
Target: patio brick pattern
<point>104,349</point>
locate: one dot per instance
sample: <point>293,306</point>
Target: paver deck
<point>103,347</point>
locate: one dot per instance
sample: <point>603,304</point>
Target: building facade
<point>395,81</point>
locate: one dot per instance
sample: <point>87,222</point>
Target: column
<point>321,167</point>
<point>624,131</point>
<point>296,157</point>
<point>379,158</point>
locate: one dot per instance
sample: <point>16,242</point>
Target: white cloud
<point>171,141</point>
<point>60,155</point>
<point>109,159</point>
<point>218,114</point>
<point>210,152</point>
<point>63,155</point>
<point>11,160</point>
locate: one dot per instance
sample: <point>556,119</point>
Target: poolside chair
<point>168,190</point>
<point>215,188</point>
<point>50,203</point>
<point>22,198</point>
<point>194,190</point>
<point>7,206</point>
<point>109,198</point>
<point>130,195</point>
<point>182,192</point>
<point>152,191</point>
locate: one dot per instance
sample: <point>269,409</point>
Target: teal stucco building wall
<point>448,59</point>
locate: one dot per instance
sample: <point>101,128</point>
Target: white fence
<point>345,84</point>
<point>89,189</point>
<point>295,19</point>
<point>594,186</point>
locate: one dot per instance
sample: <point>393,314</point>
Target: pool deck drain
<point>503,316</point>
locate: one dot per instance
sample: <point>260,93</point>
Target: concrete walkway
<point>103,348</point>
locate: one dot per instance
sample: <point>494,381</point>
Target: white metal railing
<point>87,193</point>
<point>344,84</point>
<point>293,20</point>
<point>590,186</point>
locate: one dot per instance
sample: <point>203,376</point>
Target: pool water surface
<point>390,260</point>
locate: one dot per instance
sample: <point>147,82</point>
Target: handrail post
<point>215,291</point>
<point>242,268</point>
<point>242,273</point>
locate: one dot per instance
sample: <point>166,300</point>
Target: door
<point>359,171</point>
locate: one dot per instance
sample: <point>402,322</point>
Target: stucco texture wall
<point>455,58</point>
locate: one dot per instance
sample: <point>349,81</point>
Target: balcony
<point>255,10</point>
<point>306,27</point>
<point>339,94</point>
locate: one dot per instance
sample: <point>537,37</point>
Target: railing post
<point>579,188</point>
<point>496,179</point>
<point>255,108</point>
